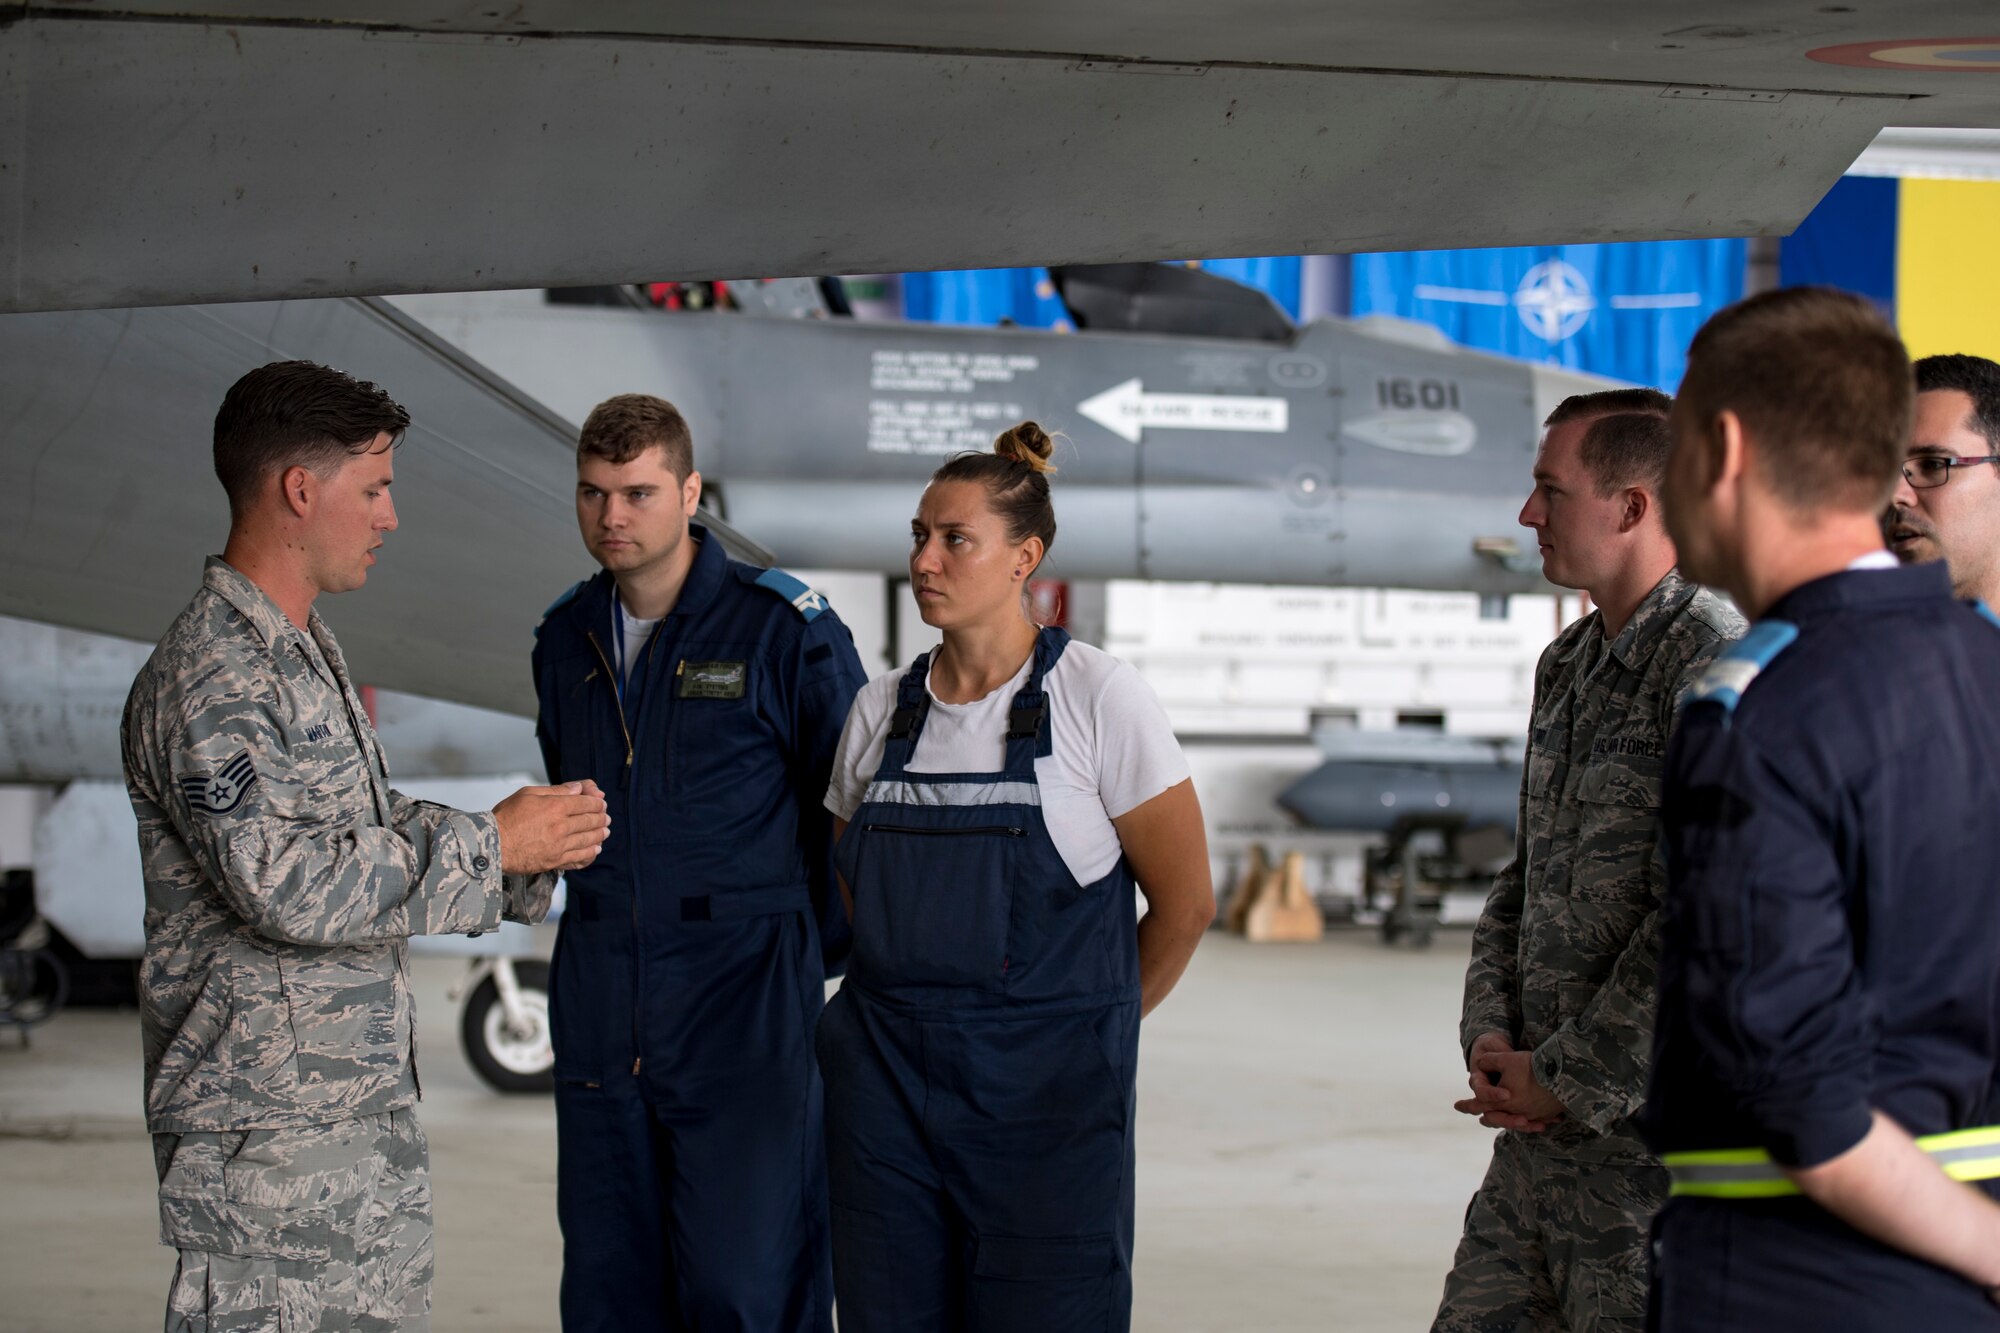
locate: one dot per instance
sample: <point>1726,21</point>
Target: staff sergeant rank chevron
<point>221,794</point>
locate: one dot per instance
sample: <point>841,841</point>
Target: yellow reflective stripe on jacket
<point>1749,1173</point>
<point>1966,1154</point>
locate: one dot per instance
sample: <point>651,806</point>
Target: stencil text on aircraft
<point>944,372</point>
<point>960,400</point>
<point>936,426</point>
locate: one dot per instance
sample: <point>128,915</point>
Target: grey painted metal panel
<point>108,503</point>
<point>1746,45</point>
<point>820,434</point>
<point>161,162</point>
<point>62,694</point>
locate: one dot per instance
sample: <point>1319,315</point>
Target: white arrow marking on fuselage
<point>1127,410</point>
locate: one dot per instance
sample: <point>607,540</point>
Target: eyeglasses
<point>1927,470</point>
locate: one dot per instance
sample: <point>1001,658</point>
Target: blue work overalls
<point>980,1058</point>
<point>690,967</point>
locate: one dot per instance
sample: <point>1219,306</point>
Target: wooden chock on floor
<point>1256,875</point>
<point>1285,911</point>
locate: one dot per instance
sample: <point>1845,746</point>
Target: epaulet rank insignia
<point>559,603</point>
<point>794,590</point>
<point>1741,662</point>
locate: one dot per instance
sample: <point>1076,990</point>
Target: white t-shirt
<point>633,635</point>
<point>1114,749</point>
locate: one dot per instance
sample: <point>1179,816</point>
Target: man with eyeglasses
<point>1947,506</point>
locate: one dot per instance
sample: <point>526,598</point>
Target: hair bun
<point>1027,443</point>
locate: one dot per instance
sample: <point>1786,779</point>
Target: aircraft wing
<point>108,501</point>
<point>168,151</point>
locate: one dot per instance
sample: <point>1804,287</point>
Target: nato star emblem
<point>1554,300</point>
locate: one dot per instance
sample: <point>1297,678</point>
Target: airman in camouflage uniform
<point>1563,967</point>
<point>283,877</point>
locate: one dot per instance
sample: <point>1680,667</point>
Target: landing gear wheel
<point>510,1060</point>
<point>33,986</point>
<point>1418,933</point>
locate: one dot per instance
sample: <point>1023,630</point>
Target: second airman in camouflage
<point>1559,997</point>
<point>283,876</point>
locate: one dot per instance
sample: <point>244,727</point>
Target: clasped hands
<point>551,828</point>
<point>1505,1094</point>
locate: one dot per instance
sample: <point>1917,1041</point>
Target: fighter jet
<point>1208,439</point>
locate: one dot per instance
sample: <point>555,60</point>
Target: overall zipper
<point>617,700</point>
<point>996,829</point>
<point>618,703</point>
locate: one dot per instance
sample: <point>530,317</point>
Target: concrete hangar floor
<point>1300,1166</point>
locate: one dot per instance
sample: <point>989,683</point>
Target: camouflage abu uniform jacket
<point>1565,957</point>
<point>283,876</point>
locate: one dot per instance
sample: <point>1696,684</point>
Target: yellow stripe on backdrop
<point>1948,266</point>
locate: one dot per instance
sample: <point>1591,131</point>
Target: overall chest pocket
<point>725,762</point>
<point>933,906</point>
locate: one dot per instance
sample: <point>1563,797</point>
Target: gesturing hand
<point>1505,1094</point>
<point>551,828</point>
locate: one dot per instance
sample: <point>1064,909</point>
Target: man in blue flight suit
<point>1827,1054</point>
<point>706,698</point>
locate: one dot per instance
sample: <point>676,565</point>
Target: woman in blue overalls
<point>997,804</point>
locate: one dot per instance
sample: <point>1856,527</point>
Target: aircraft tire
<point>510,1062</point>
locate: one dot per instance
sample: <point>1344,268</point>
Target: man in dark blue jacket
<point>1827,1054</point>
<point>706,698</point>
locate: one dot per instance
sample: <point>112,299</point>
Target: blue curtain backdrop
<point>1848,240</point>
<point>1626,311</point>
<point>1026,295</point>
<point>984,296</point>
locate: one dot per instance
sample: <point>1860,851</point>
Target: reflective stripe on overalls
<point>980,1056</point>
<point>1749,1173</point>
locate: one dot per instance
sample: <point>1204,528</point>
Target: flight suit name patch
<point>713,680</point>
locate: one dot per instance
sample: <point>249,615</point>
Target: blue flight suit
<point>980,1057</point>
<point>1830,943</point>
<point>690,967</point>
